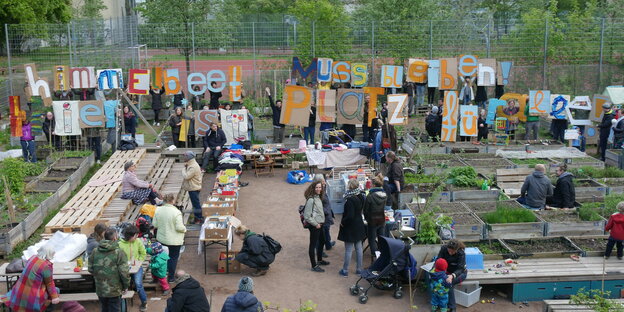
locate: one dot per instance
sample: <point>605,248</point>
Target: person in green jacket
<point>135,252</point>
<point>171,230</point>
<point>110,270</point>
<point>532,124</point>
<point>158,265</point>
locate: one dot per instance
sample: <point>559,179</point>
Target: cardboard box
<point>234,265</point>
<point>208,211</point>
<point>217,233</point>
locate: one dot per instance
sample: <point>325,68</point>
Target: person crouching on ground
<point>244,300</point>
<point>158,266</point>
<point>439,286</point>
<point>187,295</point>
<point>255,252</point>
<point>615,227</point>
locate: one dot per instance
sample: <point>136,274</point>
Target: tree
<point>31,12</point>
<point>329,22</point>
<point>89,9</point>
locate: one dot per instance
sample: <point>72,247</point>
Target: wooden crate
<point>614,185</point>
<point>565,228</point>
<point>468,226</point>
<point>222,205</point>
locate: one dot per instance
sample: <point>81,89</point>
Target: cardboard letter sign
<point>449,116</point>
<point>138,81</point>
<point>397,112</point>
<point>61,78</point>
<point>17,116</point>
<point>326,105</point>
<point>236,76</point>
<point>486,75</point>
<point>91,114</point>
<point>324,70</point>
<point>37,86</point>
<point>433,74</point>
<point>110,79</point>
<point>417,71</point>
<point>350,105</point>
<point>296,109</point>
<point>468,65</point>
<point>66,114</point>
<point>304,73</point>
<point>373,92</point>
<point>341,72</point>
<point>559,103</point>
<point>539,102</point>
<point>171,79</point>
<point>156,76</point>
<point>597,112</point>
<point>82,77</point>
<point>391,76</point>
<point>448,74</point>
<point>203,119</point>
<point>359,75</point>
<point>469,115</point>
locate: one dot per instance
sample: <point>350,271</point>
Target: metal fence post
<point>600,64</point>
<point>430,39</point>
<point>69,43</point>
<point>110,46</point>
<point>8,49</point>
<point>193,43</point>
<point>373,51</point>
<point>313,43</point>
<point>253,41</point>
<point>545,54</point>
<point>487,40</point>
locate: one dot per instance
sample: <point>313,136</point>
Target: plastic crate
<point>467,293</point>
<point>337,206</point>
<point>335,189</point>
<point>474,258</point>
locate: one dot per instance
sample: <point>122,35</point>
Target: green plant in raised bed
<point>588,214</point>
<point>489,247</point>
<point>531,162</point>
<point>593,172</point>
<point>505,214</point>
<point>411,178</point>
<point>16,170</point>
<point>607,207</point>
<point>464,177</point>
<point>66,154</point>
<point>597,300</point>
<point>428,229</point>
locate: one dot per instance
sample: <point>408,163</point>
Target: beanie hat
<point>434,110</point>
<point>156,248</point>
<point>441,265</point>
<point>606,105</point>
<point>245,284</point>
<point>188,155</point>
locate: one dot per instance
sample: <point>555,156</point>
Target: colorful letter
<point>157,75</point>
<point>468,65</point>
<point>597,112</point>
<point>449,116</point>
<point>171,80</point>
<point>138,81</point>
<point>296,109</point>
<point>37,86</point>
<point>448,74</point>
<point>503,72</point>
<point>324,69</point>
<point>341,72</point>
<point>397,104</point>
<point>61,78</point>
<point>17,115</point>
<point>110,79</point>
<point>373,92</point>
<point>236,76</point>
<point>82,77</point>
<point>298,69</point>
<point>469,115</point>
<point>91,114</point>
<point>326,105</point>
<point>391,76</point>
<point>433,74</point>
<point>487,73</point>
<point>350,106</point>
<point>203,119</point>
<point>219,78</point>
<point>191,83</point>
<point>359,75</point>
<point>539,102</point>
<point>417,71</point>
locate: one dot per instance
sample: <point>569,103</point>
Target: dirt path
<point>269,205</point>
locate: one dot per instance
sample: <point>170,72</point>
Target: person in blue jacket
<point>244,300</point>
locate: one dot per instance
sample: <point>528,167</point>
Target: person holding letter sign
<point>278,128</point>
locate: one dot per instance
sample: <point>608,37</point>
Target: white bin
<point>467,293</point>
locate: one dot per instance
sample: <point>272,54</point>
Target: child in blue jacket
<point>158,265</point>
<point>439,286</point>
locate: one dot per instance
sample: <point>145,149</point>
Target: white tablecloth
<point>335,158</point>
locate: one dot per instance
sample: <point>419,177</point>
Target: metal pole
<point>545,54</point>
<point>487,40</point>
<point>110,46</point>
<point>602,28</point>
<point>430,39</point>
<point>8,49</point>
<point>372,77</point>
<point>313,43</point>
<point>193,41</point>
<point>253,42</point>
<point>69,40</point>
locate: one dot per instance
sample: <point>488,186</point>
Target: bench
<point>90,296</point>
<point>565,305</point>
<point>409,147</point>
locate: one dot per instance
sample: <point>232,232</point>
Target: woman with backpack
<point>255,253</point>
<point>352,230</point>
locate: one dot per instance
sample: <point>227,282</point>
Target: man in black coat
<point>605,128</point>
<point>49,124</point>
<point>564,194</point>
<point>157,103</point>
<point>278,128</point>
<point>255,252</point>
<point>187,295</point>
<point>395,180</point>
<point>214,140</point>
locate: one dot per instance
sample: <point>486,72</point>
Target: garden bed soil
<point>447,208</point>
<point>559,216</point>
<point>492,249</point>
<point>585,183</point>
<point>611,181</point>
<point>429,187</point>
<point>464,218</point>
<point>59,173</point>
<point>591,246</point>
<point>68,163</point>
<point>465,156</point>
<point>42,186</point>
<point>489,162</point>
<point>484,206</point>
<point>544,247</point>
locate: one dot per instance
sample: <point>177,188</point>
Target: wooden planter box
<point>572,226</point>
<point>599,245</point>
<point>505,254</point>
<point>569,249</point>
<point>28,226</point>
<point>440,164</point>
<point>614,158</point>
<point>578,162</point>
<point>614,185</point>
<point>549,163</point>
<point>441,207</point>
<point>423,253</point>
<point>514,230</point>
<point>594,191</point>
<point>475,195</point>
<point>468,226</point>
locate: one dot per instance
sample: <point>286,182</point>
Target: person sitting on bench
<point>137,190</point>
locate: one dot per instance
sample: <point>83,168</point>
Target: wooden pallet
<point>118,207</point>
<point>90,201</point>
<point>511,180</point>
<point>161,170</point>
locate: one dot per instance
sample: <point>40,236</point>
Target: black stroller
<point>394,264</point>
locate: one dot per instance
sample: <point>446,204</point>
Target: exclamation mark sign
<point>505,71</point>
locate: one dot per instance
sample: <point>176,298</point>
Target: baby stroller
<point>387,272</point>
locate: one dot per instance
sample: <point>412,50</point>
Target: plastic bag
<point>298,177</point>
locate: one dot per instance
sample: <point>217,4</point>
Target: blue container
<point>405,217</point>
<point>474,258</point>
<point>337,206</point>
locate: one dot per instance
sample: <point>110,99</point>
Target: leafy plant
<point>67,154</point>
<point>606,208</point>
<point>505,214</point>
<point>428,229</point>
<point>593,172</point>
<point>597,300</point>
<point>464,177</point>
<point>529,161</point>
<point>411,178</point>
<point>588,214</point>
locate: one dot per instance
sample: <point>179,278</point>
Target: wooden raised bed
<point>614,158</point>
<point>491,249</point>
<point>591,246</point>
<point>566,222</point>
<point>578,162</point>
<point>440,163</point>
<point>467,226</point>
<point>614,185</point>
<point>487,206</point>
<point>441,207</point>
<point>545,247</point>
<point>474,195</point>
<point>514,230</point>
<point>588,190</point>
<point>26,228</point>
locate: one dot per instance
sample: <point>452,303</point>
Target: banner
<point>326,105</point>
<point>539,102</point>
<point>397,109</point>
<point>66,114</point>
<point>469,116</point>
<point>350,106</point>
<point>234,124</point>
<point>203,119</point>
<point>450,109</point>
<point>296,105</point>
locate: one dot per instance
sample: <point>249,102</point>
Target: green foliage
<point>597,300</point>
<point>529,161</point>
<point>411,178</point>
<point>66,154</point>
<point>16,170</point>
<point>89,9</point>
<point>489,247</point>
<point>509,215</point>
<point>606,208</point>
<point>593,172</point>
<point>428,229</point>
<point>589,214</point>
<point>464,177</point>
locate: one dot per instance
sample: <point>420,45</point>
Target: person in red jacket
<point>616,228</point>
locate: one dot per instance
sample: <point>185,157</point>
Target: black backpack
<point>274,246</point>
<point>430,123</point>
<point>303,221</point>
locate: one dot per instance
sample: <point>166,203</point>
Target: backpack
<point>274,246</point>
<point>303,221</point>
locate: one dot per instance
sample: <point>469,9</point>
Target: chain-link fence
<point>573,58</point>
